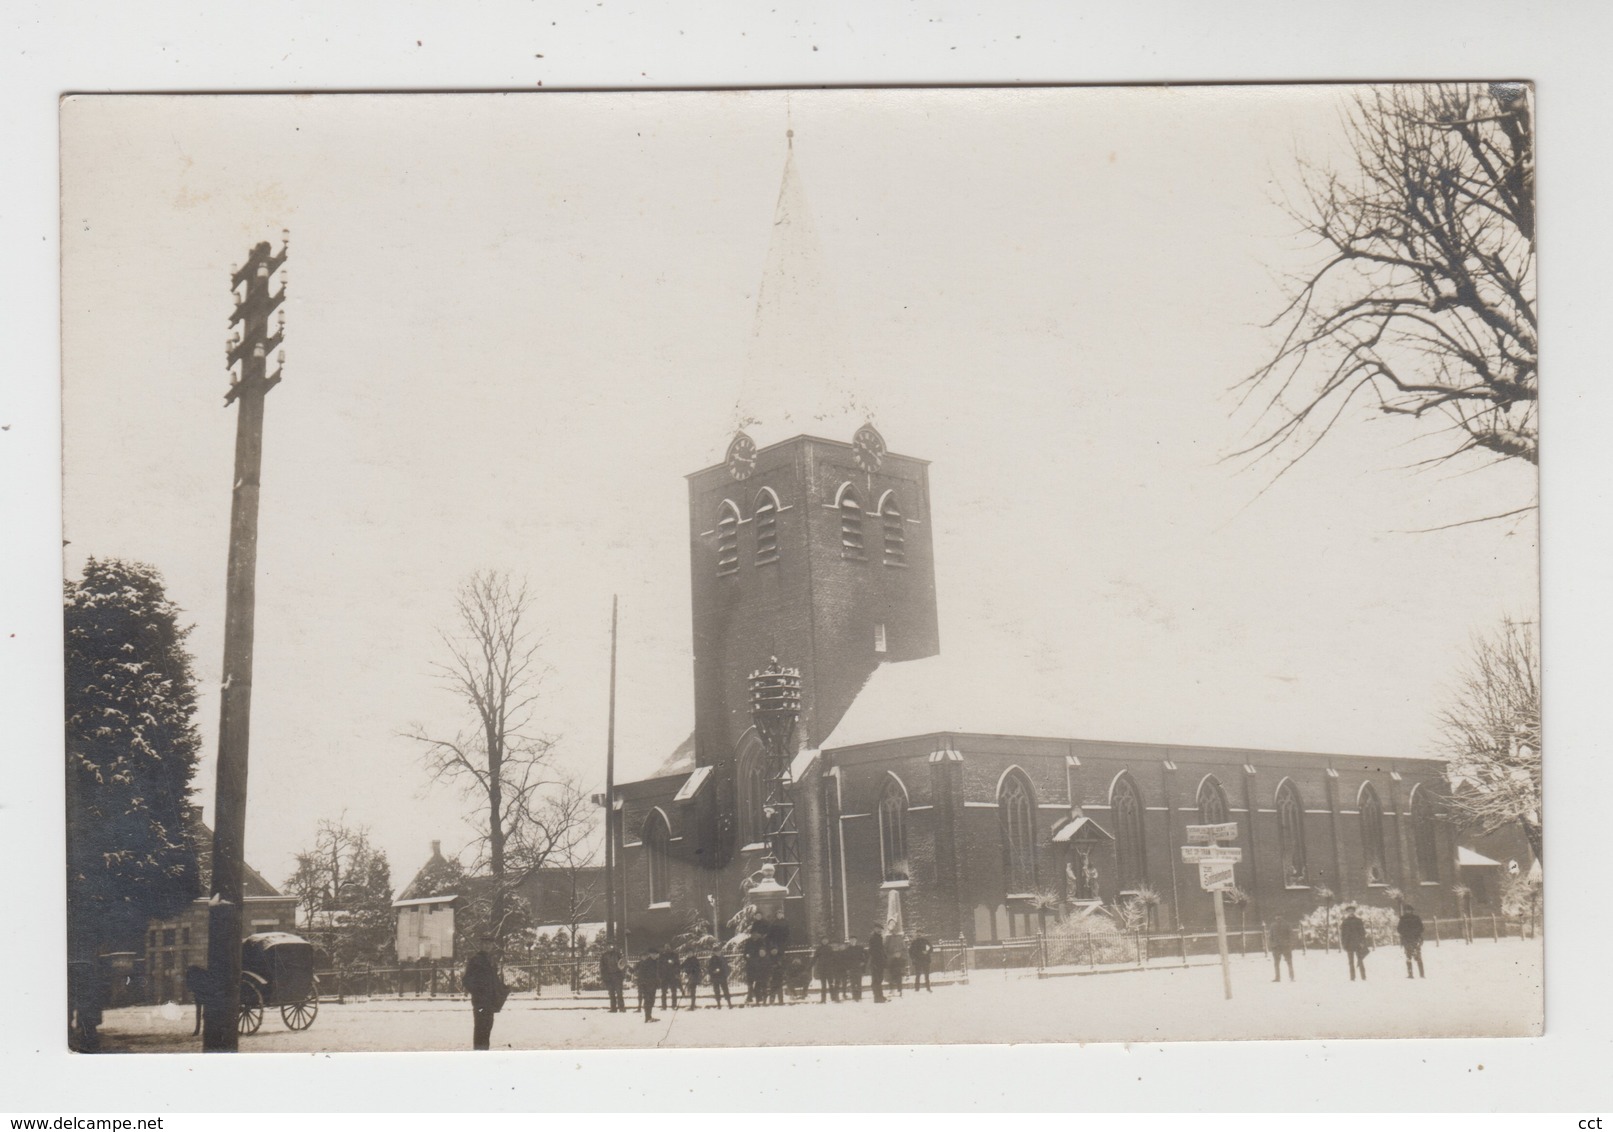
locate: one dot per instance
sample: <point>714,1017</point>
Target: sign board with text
<point>1216,876</point>
<point>1199,853</point>
<point>1204,834</point>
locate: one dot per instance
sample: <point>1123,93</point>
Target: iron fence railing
<point>953,962</point>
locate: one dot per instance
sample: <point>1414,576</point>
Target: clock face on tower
<point>869,448</point>
<point>741,458</point>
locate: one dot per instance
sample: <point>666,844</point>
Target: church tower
<point>817,552</point>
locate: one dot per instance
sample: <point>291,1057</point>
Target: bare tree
<point>1424,303</point>
<point>500,762</point>
<point>1491,734</point>
<point>345,887</point>
<point>565,830</point>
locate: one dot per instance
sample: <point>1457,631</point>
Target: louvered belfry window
<point>727,540</point>
<point>766,517</point>
<point>851,528</point>
<point>894,531</point>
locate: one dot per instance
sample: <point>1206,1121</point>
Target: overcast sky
<point>516,322</point>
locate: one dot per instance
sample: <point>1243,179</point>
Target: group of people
<point>668,974</point>
<point>840,967</point>
<point>1353,942</point>
<point>769,970</point>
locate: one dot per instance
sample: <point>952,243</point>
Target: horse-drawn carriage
<point>277,969</point>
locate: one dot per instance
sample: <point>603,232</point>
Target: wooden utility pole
<point>249,347</point>
<point>610,792</point>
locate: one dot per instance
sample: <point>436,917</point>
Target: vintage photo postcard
<point>586,570</point>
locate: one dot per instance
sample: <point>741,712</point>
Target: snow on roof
<point>1466,856</point>
<point>977,694</point>
<point>582,929</point>
<point>424,900</point>
<point>1070,830</point>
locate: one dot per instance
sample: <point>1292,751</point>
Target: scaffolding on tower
<point>775,709</point>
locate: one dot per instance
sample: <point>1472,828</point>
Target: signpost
<point>1197,854</point>
<point>1216,875</point>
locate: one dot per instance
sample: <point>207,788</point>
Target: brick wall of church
<point>976,901</point>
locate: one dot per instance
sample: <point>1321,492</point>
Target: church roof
<point>975,694</point>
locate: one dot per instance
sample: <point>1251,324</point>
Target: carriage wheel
<point>300,1015</point>
<point>251,1016</point>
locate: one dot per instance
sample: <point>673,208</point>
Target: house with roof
<point>173,944</point>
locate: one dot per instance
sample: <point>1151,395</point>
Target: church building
<point>973,802</point>
<point>910,774</point>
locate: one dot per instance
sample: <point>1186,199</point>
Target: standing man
<point>898,963</point>
<point>856,962</point>
<point>823,961</point>
<point>648,975</point>
<point>876,964</point>
<point>1410,928</point>
<point>778,941</point>
<point>86,993</point>
<point>756,968</point>
<point>920,951</point>
<point>486,990</point>
<point>613,973</point>
<point>692,968</point>
<point>667,976</point>
<point>1353,938</point>
<point>717,972</point>
<point>1280,935</point>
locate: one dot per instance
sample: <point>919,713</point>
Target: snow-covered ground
<point>1472,990</point>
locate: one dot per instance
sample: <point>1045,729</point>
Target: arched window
<point>1017,808</point>
<point>658,857</point>
<point>1291,834</point>
<point>1372,835</point>
<point>727,539</point>
<point>1130,858</point>
<point>751,791</point>
<point>894,530</point>
<point>893,830</point>
<point>766,517</point>
<point>1425,837</point>
<point>851,525</point>
<point>1212,802</point>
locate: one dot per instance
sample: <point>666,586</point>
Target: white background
<point>53,49</point>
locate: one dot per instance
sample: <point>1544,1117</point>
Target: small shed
<point>426,927</point>
<point>1483,876</point>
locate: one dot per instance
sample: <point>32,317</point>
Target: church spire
<point>796,377</point>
